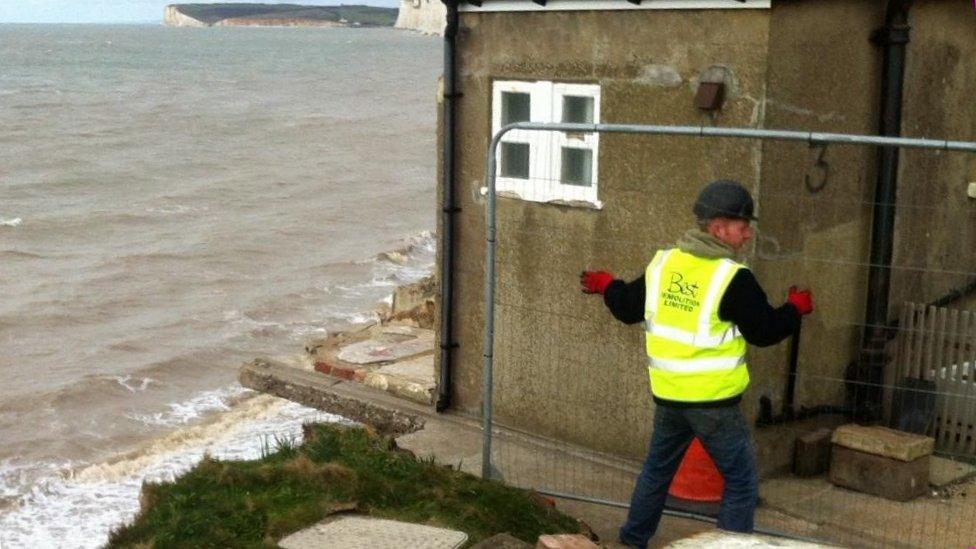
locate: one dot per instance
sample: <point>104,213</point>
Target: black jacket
<point>744,304</point>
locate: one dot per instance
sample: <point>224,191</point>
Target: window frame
<point>546,148</point>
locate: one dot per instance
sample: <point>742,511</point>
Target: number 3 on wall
<point>816,184</point>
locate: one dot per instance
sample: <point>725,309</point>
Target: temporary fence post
<point>486,414</point>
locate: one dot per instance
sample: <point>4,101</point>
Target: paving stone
<point>355,532</point>
<point>886,477</point>
<point>565,541</point>
<point>882,441</point>
<point>811,453</point>
<point>372,351</point>
<point>419,370</point>
<point>718,539</point>
<point>943,472</point>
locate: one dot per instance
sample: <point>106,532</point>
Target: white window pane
<point>516,107</point>
<point>578,109</point>
<point>577,167</point>
<point>515,160</point>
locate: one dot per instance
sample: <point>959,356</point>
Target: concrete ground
<point>384,375</point>
<point>456,440</point>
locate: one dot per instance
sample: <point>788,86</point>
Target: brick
<point>811,453</point>
<point>882,441</point>
<point>878,475</point>
<point>340,371</point>
<point>565,541</point>
<point>344,373</point>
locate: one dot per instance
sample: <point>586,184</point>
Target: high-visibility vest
<point>692,354</point>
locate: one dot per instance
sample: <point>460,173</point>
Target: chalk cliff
<point>426,16</point>
<point>173,17</point>
<point>277,15</point>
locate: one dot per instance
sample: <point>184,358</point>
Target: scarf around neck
<point>702,244</point>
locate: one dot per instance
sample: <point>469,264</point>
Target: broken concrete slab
<point>410,390</point>
<point>943,472</point>
<point>372,351</point>
<point>349,400</point>
<point>419,370</point>
<point>882,441</point>
<point>359,532</point>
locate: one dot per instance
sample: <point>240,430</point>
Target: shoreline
<point>235,423</point>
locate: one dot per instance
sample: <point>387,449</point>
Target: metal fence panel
<point>526,357</point>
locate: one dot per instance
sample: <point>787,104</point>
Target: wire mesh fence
<point>569,384</point>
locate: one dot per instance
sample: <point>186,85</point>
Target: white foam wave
<point>359,317</point>
<point>306,330</point>
<point>135,387</point>
<point>182,413</point>
<point>14,222</point>
<point>78,509</point>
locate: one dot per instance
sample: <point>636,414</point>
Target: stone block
<point>565,541</point>
<point>882,441</point>
<point>879,475</point>
<point>811,453</point>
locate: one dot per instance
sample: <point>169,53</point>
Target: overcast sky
<point>123,11</point>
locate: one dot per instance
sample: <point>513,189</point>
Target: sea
<point>175,202</point>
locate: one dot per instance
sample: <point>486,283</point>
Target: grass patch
<point>256,503</point>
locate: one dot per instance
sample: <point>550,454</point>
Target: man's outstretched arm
<point>745,304</point>
<point>624,299</point>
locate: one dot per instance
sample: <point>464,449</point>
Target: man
<point>700,308</point>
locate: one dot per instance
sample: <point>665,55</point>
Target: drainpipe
<point>893,37</point>
<point>448,208</point>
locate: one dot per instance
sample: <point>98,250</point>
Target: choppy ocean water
<point>174,202</point>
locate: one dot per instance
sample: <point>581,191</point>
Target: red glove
<point>801,299</point>
<point>595,282</point>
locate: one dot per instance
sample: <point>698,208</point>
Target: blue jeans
<point>724,434</point>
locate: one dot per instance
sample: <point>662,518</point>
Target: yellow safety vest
<point>692,354</point>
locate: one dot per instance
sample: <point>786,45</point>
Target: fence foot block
<point>811,453</point>
<point>878,475</point>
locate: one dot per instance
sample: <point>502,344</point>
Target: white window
<point>545,166</point>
